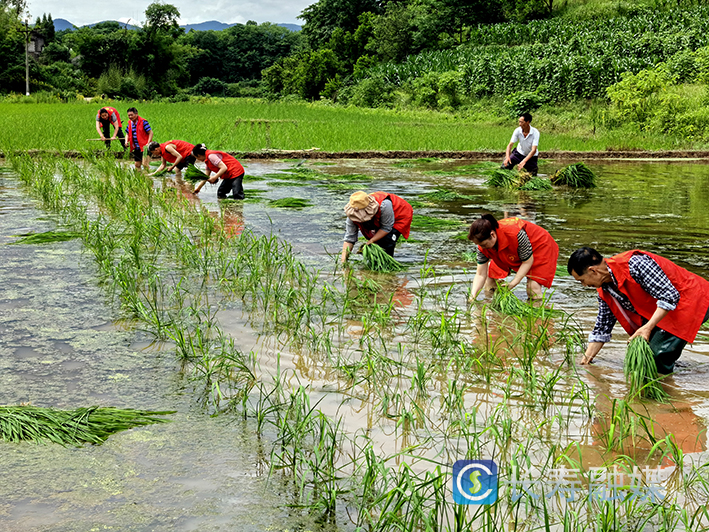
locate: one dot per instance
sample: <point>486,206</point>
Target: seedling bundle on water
<point>576,175</point>
<point>508,178</point>
<point>379,261</point>
<point>641,372</point>
<point>290,203</point>
<point>70,427</point>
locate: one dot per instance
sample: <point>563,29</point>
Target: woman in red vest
<point>107,117</point>
<point>176,152</point>
<point>226,168</point>
<point>649,295</point>
<point>513,244</point>
<point>381,218</point>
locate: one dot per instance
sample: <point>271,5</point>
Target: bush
<point>522,102</point>
<point>371,92</point>
<point>210,86</point>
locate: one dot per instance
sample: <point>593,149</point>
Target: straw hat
<point>361,207</point>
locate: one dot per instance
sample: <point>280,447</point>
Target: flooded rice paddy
<point>398,388</point>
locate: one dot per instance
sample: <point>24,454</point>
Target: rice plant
<point>537,183</point>
<point>641,371</point>
<point>576,175</point>
<point>379,260</point>
<point>194,174</point>
<point>47,237</point>
<point>513,179</point>
<point>290,203</point>
<point>71,427</point>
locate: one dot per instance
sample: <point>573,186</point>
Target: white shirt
<point>525,144</point>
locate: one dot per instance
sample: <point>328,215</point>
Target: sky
<point>81,12</point>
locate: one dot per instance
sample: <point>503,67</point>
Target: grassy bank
<point>251,125</point>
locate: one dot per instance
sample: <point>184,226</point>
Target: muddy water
<point>60,346</point>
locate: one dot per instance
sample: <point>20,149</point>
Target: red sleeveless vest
<point>110,110</point>
<point>182,147</point>
<point>142,135</point>
<point>505,257</point>
<point>234,168</point>
<point>683,322</point>
<point>403,214</point>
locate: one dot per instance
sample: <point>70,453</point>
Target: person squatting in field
<point>176,152</point>
<point>513,244</point>
<point>381,217</point>
<point>105,118</point>
<point>524,156</point>
<point>226,168</point>
<point>649,295</point>
<point>139,135</point>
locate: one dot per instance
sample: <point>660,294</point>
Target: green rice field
<point>241,125</point>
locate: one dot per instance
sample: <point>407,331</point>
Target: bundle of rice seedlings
<point>505,302</point>
<point>290,203</point>
<point>192,173</point>
<point>46,237</point>
<point>641,372</point>
<point>508,178</point>
<point>378,260</point>
<point>70,427</point>
<point>537,183</point>
<point>576,175</point>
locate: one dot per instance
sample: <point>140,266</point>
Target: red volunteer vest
<point>233,167</point>
<point>182,147</point>
<point>683,322</point>
<point>505,256</point>
<point>403,214</point>
<point>142,135</point>
<point>111,111</point>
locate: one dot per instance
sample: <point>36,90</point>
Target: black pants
<point>190,159</point>
<point>388,243</point>
<point>106,127</point>
<point>667,348</point>
<point>234,185</point>
<point>516,157</point>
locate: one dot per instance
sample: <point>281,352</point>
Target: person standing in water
<point>513,244</point>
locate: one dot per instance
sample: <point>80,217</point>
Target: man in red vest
<point>382,218</point>
<point>105,118</point>
<point>139,135</point>
<point>649,295</point>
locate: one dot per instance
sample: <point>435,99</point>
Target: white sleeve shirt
<point>525,145</point>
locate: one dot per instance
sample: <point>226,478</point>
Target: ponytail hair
<point>481,228</point>
<point>199,149</point>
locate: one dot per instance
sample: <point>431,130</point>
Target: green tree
<point>325,16</point>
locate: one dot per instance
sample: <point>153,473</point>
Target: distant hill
<point>123,25</point>
<point>62,24</point>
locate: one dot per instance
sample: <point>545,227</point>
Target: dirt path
<point>396,154</point>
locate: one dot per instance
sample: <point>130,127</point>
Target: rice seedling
<point>506,302</point>
<point>641,371</point>
<point>194,174</point>
<point>429,223</point>
<point>537,183</point>
<point>379,260</point>
<point>442,194</point>
<point>47,237</point>
<point>71,427</point>
<point>513,179</point>
<point>576,175</point>
<point>290,203</point>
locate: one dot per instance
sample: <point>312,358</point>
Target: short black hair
<point>199,149</point>
<point>527,117</point>
<point>133,110</point>
<point>153,146</point>
<point>581,259</point>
